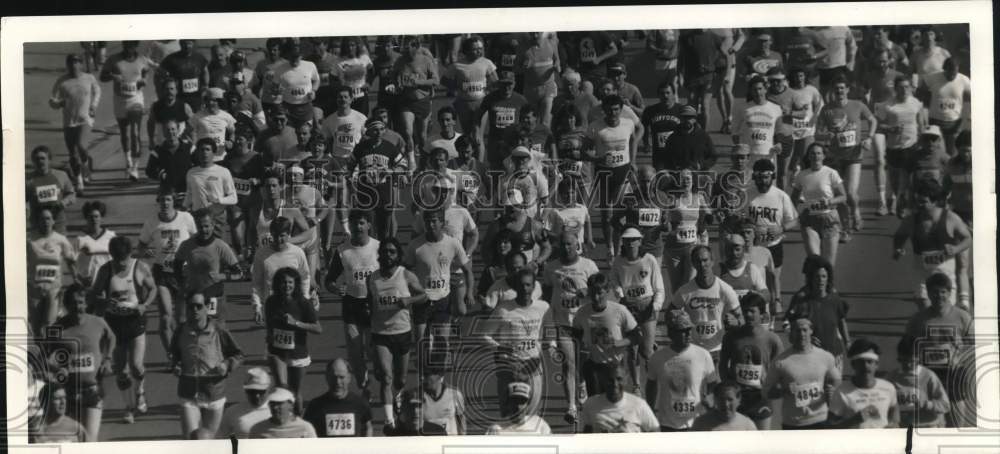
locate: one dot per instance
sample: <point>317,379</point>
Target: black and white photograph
<point>488,232</point>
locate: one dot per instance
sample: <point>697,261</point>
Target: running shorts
<point>778,253</point>
<point>299,113</point>
<point>434,312</point>
<point>126,327</point>
<point>420,108</point>
<point>86,396</point>
<point>130,108</point>
<point>398,344</point>
<point>948,128</point>
<point>825,223</point>
<point>201,404</point>
<point>899,158</point>
<point>355,311</point>
<point>753,404</point>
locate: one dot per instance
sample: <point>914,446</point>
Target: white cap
<point>513,197</point>
<point>572,76</point>
<point>932,130</point>
<point>519,389</point>
<point>520,151</point>
<point>281,395</point>
<point>216,93</point>
<point>631,232</point>
<point>258,379</point>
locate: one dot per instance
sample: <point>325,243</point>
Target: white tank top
<point>121,291</point>
<point>387,315</point>
<point>359,263</point>
<point>93,252</point>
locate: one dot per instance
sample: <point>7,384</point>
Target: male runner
<point>746,357</point>
<point>803,377</point>
<point>339,412</point>
<point>949,91</point>
<point>617,411</point>
<point>78,94</point>
<point>128,70</point>
<point>710,301</point>
<point>48,188</point>
<point>190,68</point>
<point>679,376</point>
<point>200,264</point>
<point>638,281</point>
<point>900,118</point>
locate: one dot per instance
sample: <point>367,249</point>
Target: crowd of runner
<point>295,174</point>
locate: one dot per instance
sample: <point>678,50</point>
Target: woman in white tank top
<point>92,246</point>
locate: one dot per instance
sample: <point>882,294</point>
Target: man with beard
<point>689,147</point>
<point>339,412</point>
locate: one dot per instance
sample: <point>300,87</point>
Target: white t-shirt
<point>706,308</point>
<point>612,141</point>
<point>756,126</point>
<point>163,238</point>
<point>816,185</point>
<point>569,285</point>
<point>443,411</point>
<point>213,126</point>
<point>570,219</point>
<point>631,414</point>
<point>359,262</point>
<point>947,96</point>
<point>770,211</point>
<point>602,329</point>
<point>520,328</point>
<point>639,282</point>
<point>532,425</point>
<point>900,114</point>
<point>681,379</point>
<point>432,264</point>
<point>457,222</point>
<point>448,144</point>
<point>345,132</point>
<point>297,81</point>
<point>207,186</point>
<point>849,400</point>
<point>92,253</point>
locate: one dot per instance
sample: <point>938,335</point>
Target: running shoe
<point>129,417</point>
<point>845,236</point>
<point>140,405</point>
<point>726,127</point>
<point>883,209</point>
<point>571,416</point>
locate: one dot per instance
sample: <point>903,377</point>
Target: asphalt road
<point>875,287</point>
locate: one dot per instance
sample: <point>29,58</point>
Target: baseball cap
<point>258,379</point>
<point>687,111</point>
<point>775,73</point>
<point>764,37</point>
<point>520,151</point>
<point>932,130</point>
<point>513,197</point>
<point>506,77</point>
<point>616,68</point>
<point>678,320</point>
<point>281,395</point>
<point>631,232</point>
<point>519,389</point>
<point>73,57</point>
<point>216,93</point>
<point>741,149</point>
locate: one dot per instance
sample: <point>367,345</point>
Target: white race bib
<point>800,124</point>
<point>684,406</point>
<point>706,330</point>
<point>661,138</point>
<point>128,89</point>
<point>649,217</point>
<point>46,273</point>
<point>82,363</point>
<point>948,105</point>
<point>340,424</point>
<point>637,292</point>
<point>189,85</point>
<point>474,88</point>
<point>525,346</point>
<point>758,136</point>
<point>298,92</point>
<point>616,157</point>
<point>687,234</point>
<point>505,117</point>
<point>749,374</point>
<point>936,357</point>
<point>388,302</point>
<point>243,187</point>
<point>284,339</point>
<point>932,259</point>
<point>212,307</point>
<point>508,59</point>
<point>437,284</point>
<point>806,394</point>
<point>846,139</point>
<point>47,194</point>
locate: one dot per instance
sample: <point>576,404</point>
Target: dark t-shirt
<point>825,314</point>
<point>282,335</point>
<point>699,52</point>
<point>503,113</point>
<point>746,349</point>
<point>338,418</point>
<point>661,121</point>
<point>188,70</point>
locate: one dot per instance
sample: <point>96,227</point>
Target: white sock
<point>390,418</point>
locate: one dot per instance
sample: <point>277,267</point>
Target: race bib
<point>508,59</point>
<point>684,406</point>
<point>388,302</point>
<point>818,207</point>
<point>649,217</point>
<point>635,292</point>
<point>806,394</point>
<point>525,346</point>
<point>948,105</point>
<point>284,339</point>
<point>359,92</point>
<point>476,88</point>
<point>298,92</point>
<point>705,330</point>
<point>82,363</point>
<point>46,273</point>
<point>243,187</point>
<point>932,259</point>
<point>616,157</point>
<point>408,80</point>
<point>470,183</point>
<point>588,54</point>
<point>189,85</point>
<point>687,234</point>
<point>907,397</point>
<point>661,138</point>
<point>800,124</point>
<point>936,357</point>
<point>846,139</point>
<point>128,88</point>
<point>47,194</point>
<point>758,136</point>
<point>212,307</point>
<point>749,374</point>
<point>437,284</point>
<point>572,166</point>
<point>345,140</point>
<point>505,117</point>
<point>360,276</point>
<point>339,424</point>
